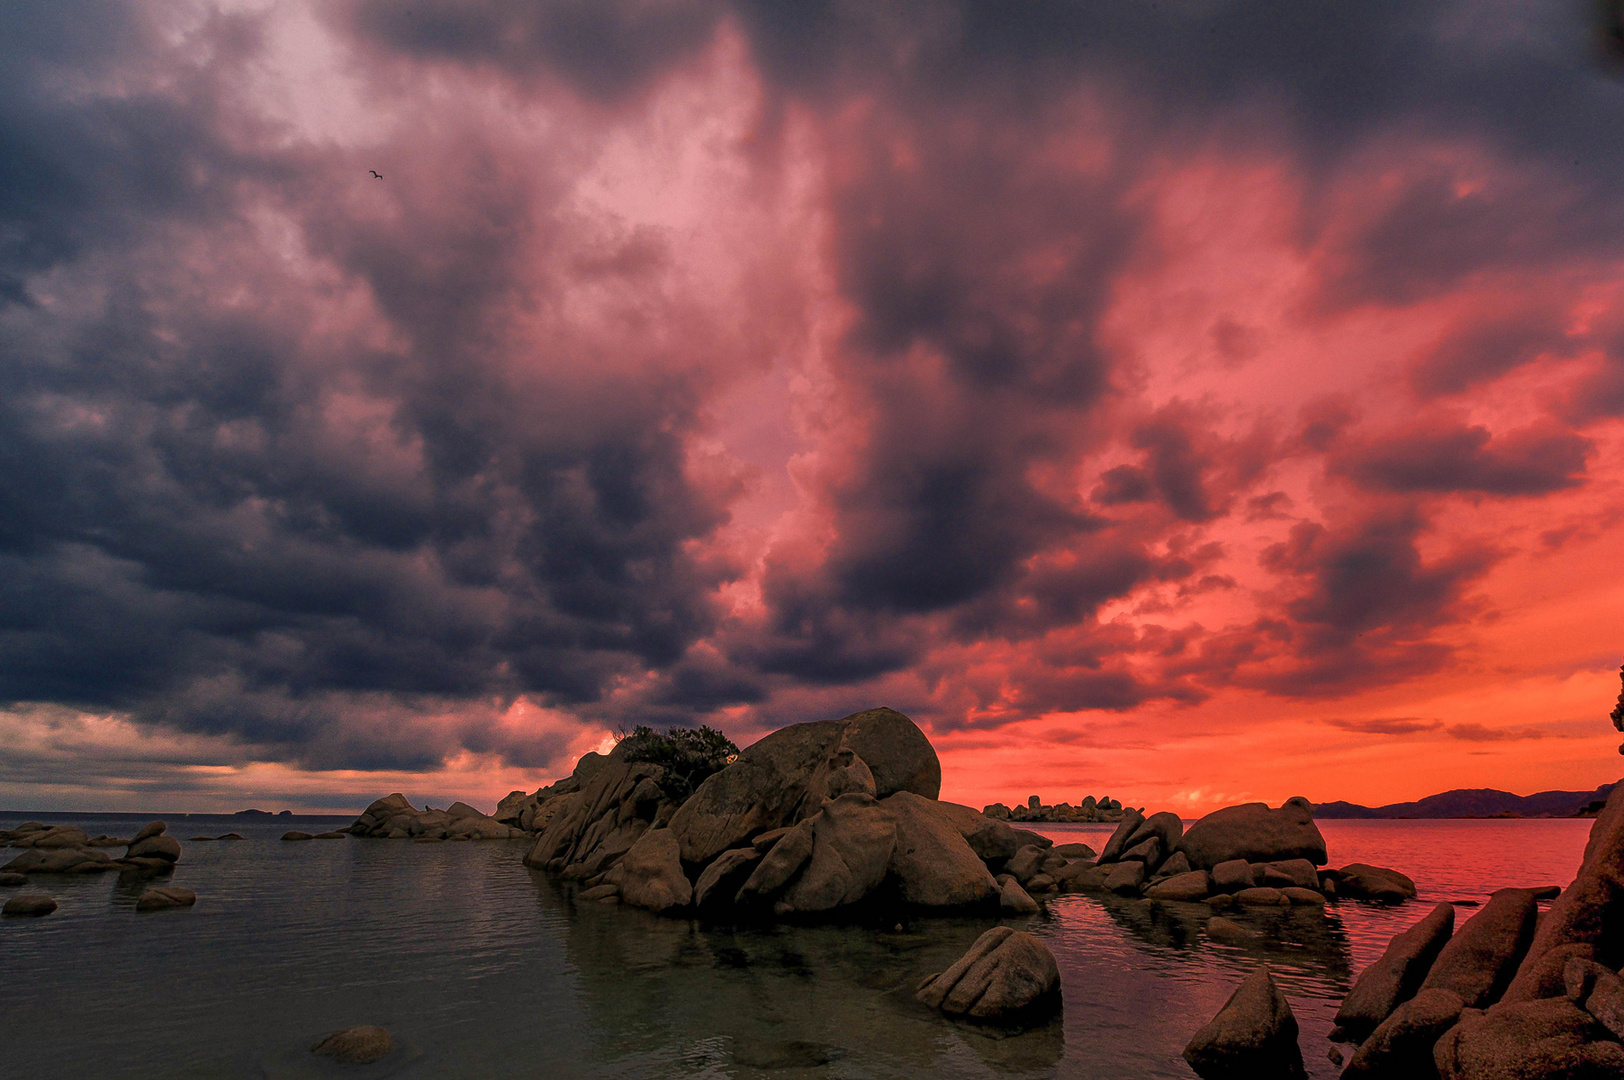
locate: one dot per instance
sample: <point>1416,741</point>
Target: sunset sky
<point>1189,401</point>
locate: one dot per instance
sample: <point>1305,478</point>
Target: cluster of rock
<point>812,819</point>
<point>394,818</point>
<point>1103,808</point>
<point>1511,993</point>
<point>64,849</point>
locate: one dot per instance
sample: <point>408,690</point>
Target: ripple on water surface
<point>482,968</point>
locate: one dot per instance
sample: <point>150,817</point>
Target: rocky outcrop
<point>1529,1040</point>
<point>602,822</point>
<point>1005,974</point>
<point>1253,1037</point>
<point>1402,1045</point>
<point>1480,959</point>
<point>650,876</point>
<point>788,775</point>
<point>393,817</point>
<point>1361,881</point>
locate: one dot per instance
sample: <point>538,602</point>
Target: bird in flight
<point>376,175</point>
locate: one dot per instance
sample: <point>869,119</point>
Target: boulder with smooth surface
<point>1401,1046</point>
<point>159,899</point>
<point>1006,973</point>
<point>1481,958</point>
<point>1548,1039</point>
<point>1397,975</point>
<point>356,1046</point>
<point>1256,833</point>
<point>933,861</point>
<point>29,905</point>
<point>1253,1037</point>
<point>650,875</point>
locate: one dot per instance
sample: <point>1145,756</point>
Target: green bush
<point>687,755</point>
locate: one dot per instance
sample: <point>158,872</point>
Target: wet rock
<point>356,1046</point>
<point>1231,932</point>
<point>1125,878</point>
<point>1004,974</point>
<point>295,834</point>
<point>1481,958</point>
<point>159,899</point>
<point>1262,896</point>
<point>12,879</point>
<point>1194,885</point>
<point>1529,1040</point>
<point>143,867</point>
<point>1397,975</point>
<point>1303,897</point>
<point>1232,875</point>
<point>1253,1037</point>
<point>1255,833</point>
<point>1401,1046</point>
<point>1291,873</point>
<point>650,875</point>
<point>933,861</point>
<point>1015,900</point>
<point>785,777</point>
<point>1589,910</point>
<point>29,905</point>
<point>1361,881</point>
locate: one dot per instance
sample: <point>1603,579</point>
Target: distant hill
<point>1476,803</point>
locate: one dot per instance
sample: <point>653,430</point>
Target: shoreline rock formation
<point>1103,808</point>
<point>394,818</point>
<point>65,849</point>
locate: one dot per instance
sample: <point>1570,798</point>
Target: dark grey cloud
<point>1448,457</point>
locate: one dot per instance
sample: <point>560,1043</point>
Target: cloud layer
<point>1201,367</point>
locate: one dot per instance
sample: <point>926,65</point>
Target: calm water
<point>483,969</point>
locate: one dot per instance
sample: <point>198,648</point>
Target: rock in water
<point>1394,979</point>
<point>297,835</point>
<point>1192,886</point>
<point>357,1045</point>
<point>1361,881</point>
<point>650,876</point>
<point>158,899</point>
<point>13,879</point>
<point>29,904</point>
<point>1588,912</point>
<point>1255,833</point>
<point>1253,1037</point>
<point>1005,973</point>
<point>933,861</point>
<point>1480,959</point>
<point>1401,1047</point>
<point>1552,1039</point>
<point>1015,900</point>
<point>151,843</point>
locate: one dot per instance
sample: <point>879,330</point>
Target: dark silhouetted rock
<point>1147,851</point>
<point>1360,881</point>
<point>1165,826</point>
<point>12,879</point>
<point>62,861</point>
<point>1589,911</point>
<point>1125,878</point>
<point>1073,851</point>
<point>158,899</point>
<point>1291,873</point>
<point>357,1045</point>
<point>1114,847</point>
<point>1255,833</point>
<point>1552,1039</point>
<point>1397,975</point>
<point>1480,959</point>
<point>29,904</point>
<point>295,834</point>
<point>1232,875</point>
<point>331,836</point>
<point>1401,1046</point>
<point>1004,974</point>
<point>1015,900</point>
<point>1253,1037</point>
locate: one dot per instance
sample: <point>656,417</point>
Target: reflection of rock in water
<point>1309,939</point>
<point>779,999</point>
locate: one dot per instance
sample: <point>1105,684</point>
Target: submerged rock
<point>29,904</point>
<point>1004,974</point>
<point>12,879</point>
<point>357,1045</point>
<point>169,896</point>
<point>1253,1037</point>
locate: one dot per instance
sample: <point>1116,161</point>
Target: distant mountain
<point>1476,803</point>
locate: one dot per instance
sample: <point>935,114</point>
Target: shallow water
<point>482,968</point>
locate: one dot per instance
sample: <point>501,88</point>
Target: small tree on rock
<point>687,755</point>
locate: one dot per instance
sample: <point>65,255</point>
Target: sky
<point>1190,401</point>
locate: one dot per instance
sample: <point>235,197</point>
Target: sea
<point>481,967</point>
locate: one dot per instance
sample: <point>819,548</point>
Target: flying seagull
<point>376,174</point>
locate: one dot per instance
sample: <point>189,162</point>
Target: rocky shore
<point>64,849</point>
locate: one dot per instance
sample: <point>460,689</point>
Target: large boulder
<point>1004,974</point>
<point>1401,1046</point>
<point>650,875</point>
<point>853,838</point>
<point>719,882</point>
<point>1253,1037</point>
<point>1394,979</point>
<point>1118,843</point>
<point>1255,833</point>
<point>1164,826</point>
<point>61,861</point>
<point>1529,1040</point>
<point>1195,885</point>
<point>1361,881</point>
<point>151,843</point>
<point>990,838</point>
<point>1480,959</point>
<point>1589,912</point>
<point>933,861</point>
<point>787,776</point>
